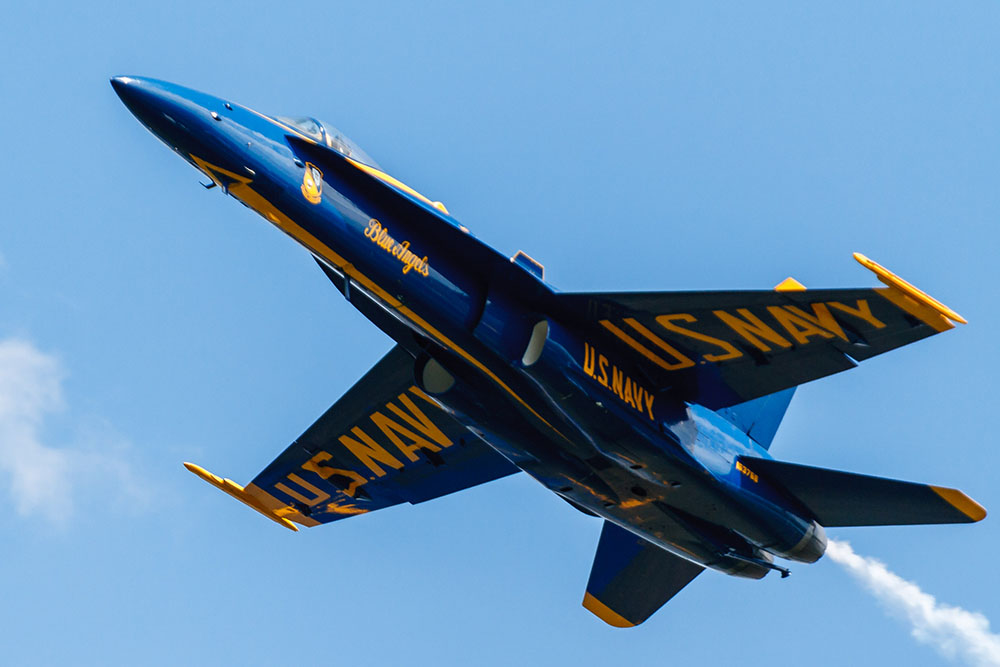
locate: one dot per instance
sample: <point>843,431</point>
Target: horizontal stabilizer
<point>631,578</point>
<point>847,499</point>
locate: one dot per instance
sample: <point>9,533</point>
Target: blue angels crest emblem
<point>312,184</point>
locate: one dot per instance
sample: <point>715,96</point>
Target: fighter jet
<point>653,411</point>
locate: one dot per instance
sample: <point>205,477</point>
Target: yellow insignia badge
<point>312,184</point>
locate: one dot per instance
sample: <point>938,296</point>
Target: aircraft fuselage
<point>578,413</point>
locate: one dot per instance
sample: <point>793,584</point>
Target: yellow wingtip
<point>605,613</point>
<point>897,283</point>
<point>238,492</point>
<point>204,474</point>
<point>961,502</point>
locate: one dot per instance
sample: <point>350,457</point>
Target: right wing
<point>383,443</point>
<point>631,578</point>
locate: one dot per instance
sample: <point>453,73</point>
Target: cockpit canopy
<point>327,134</point>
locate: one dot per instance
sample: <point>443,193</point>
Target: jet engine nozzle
<point>810,548</point>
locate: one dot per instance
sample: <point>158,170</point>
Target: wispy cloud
<point>952,631</point>
<point>45,480</point>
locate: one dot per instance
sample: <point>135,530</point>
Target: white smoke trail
<point>952,631</point>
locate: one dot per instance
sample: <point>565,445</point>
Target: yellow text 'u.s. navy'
<point>609,376</point>
<point>792,326</point>
<point>398,439</point>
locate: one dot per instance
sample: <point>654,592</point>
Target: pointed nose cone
<point>166,110</point>
<point>184,119</point>
<point>143,97</point>
<point>120,83</point>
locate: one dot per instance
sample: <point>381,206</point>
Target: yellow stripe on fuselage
<point>372,171</point>
<point>241,190</point>
<point>396,183</point>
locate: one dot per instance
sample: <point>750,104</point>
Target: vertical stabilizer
<point>760,417</point>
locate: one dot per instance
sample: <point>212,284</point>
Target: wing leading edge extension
<point>383,443</point>
<point>724,348</point>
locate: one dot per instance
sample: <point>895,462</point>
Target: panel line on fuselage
<point>242,191</point>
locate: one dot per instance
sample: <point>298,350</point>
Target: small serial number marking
<point>746,471</point>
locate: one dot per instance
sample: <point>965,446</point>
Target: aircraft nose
<point>141,96</point>
<point>120,83</point>
<point>167,110</point>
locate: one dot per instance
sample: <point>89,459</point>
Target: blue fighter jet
<point>652,411</point>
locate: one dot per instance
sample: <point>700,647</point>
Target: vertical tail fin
<point>760,417</point>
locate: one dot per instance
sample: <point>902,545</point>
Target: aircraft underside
<point>654,411</point>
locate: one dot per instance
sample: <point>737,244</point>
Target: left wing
<point>383,443</point>
<point>720,349</point>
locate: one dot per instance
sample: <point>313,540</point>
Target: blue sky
<point>145,321</point>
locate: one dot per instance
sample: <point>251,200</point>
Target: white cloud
<point>44,480</point>
<point>953,631</point>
